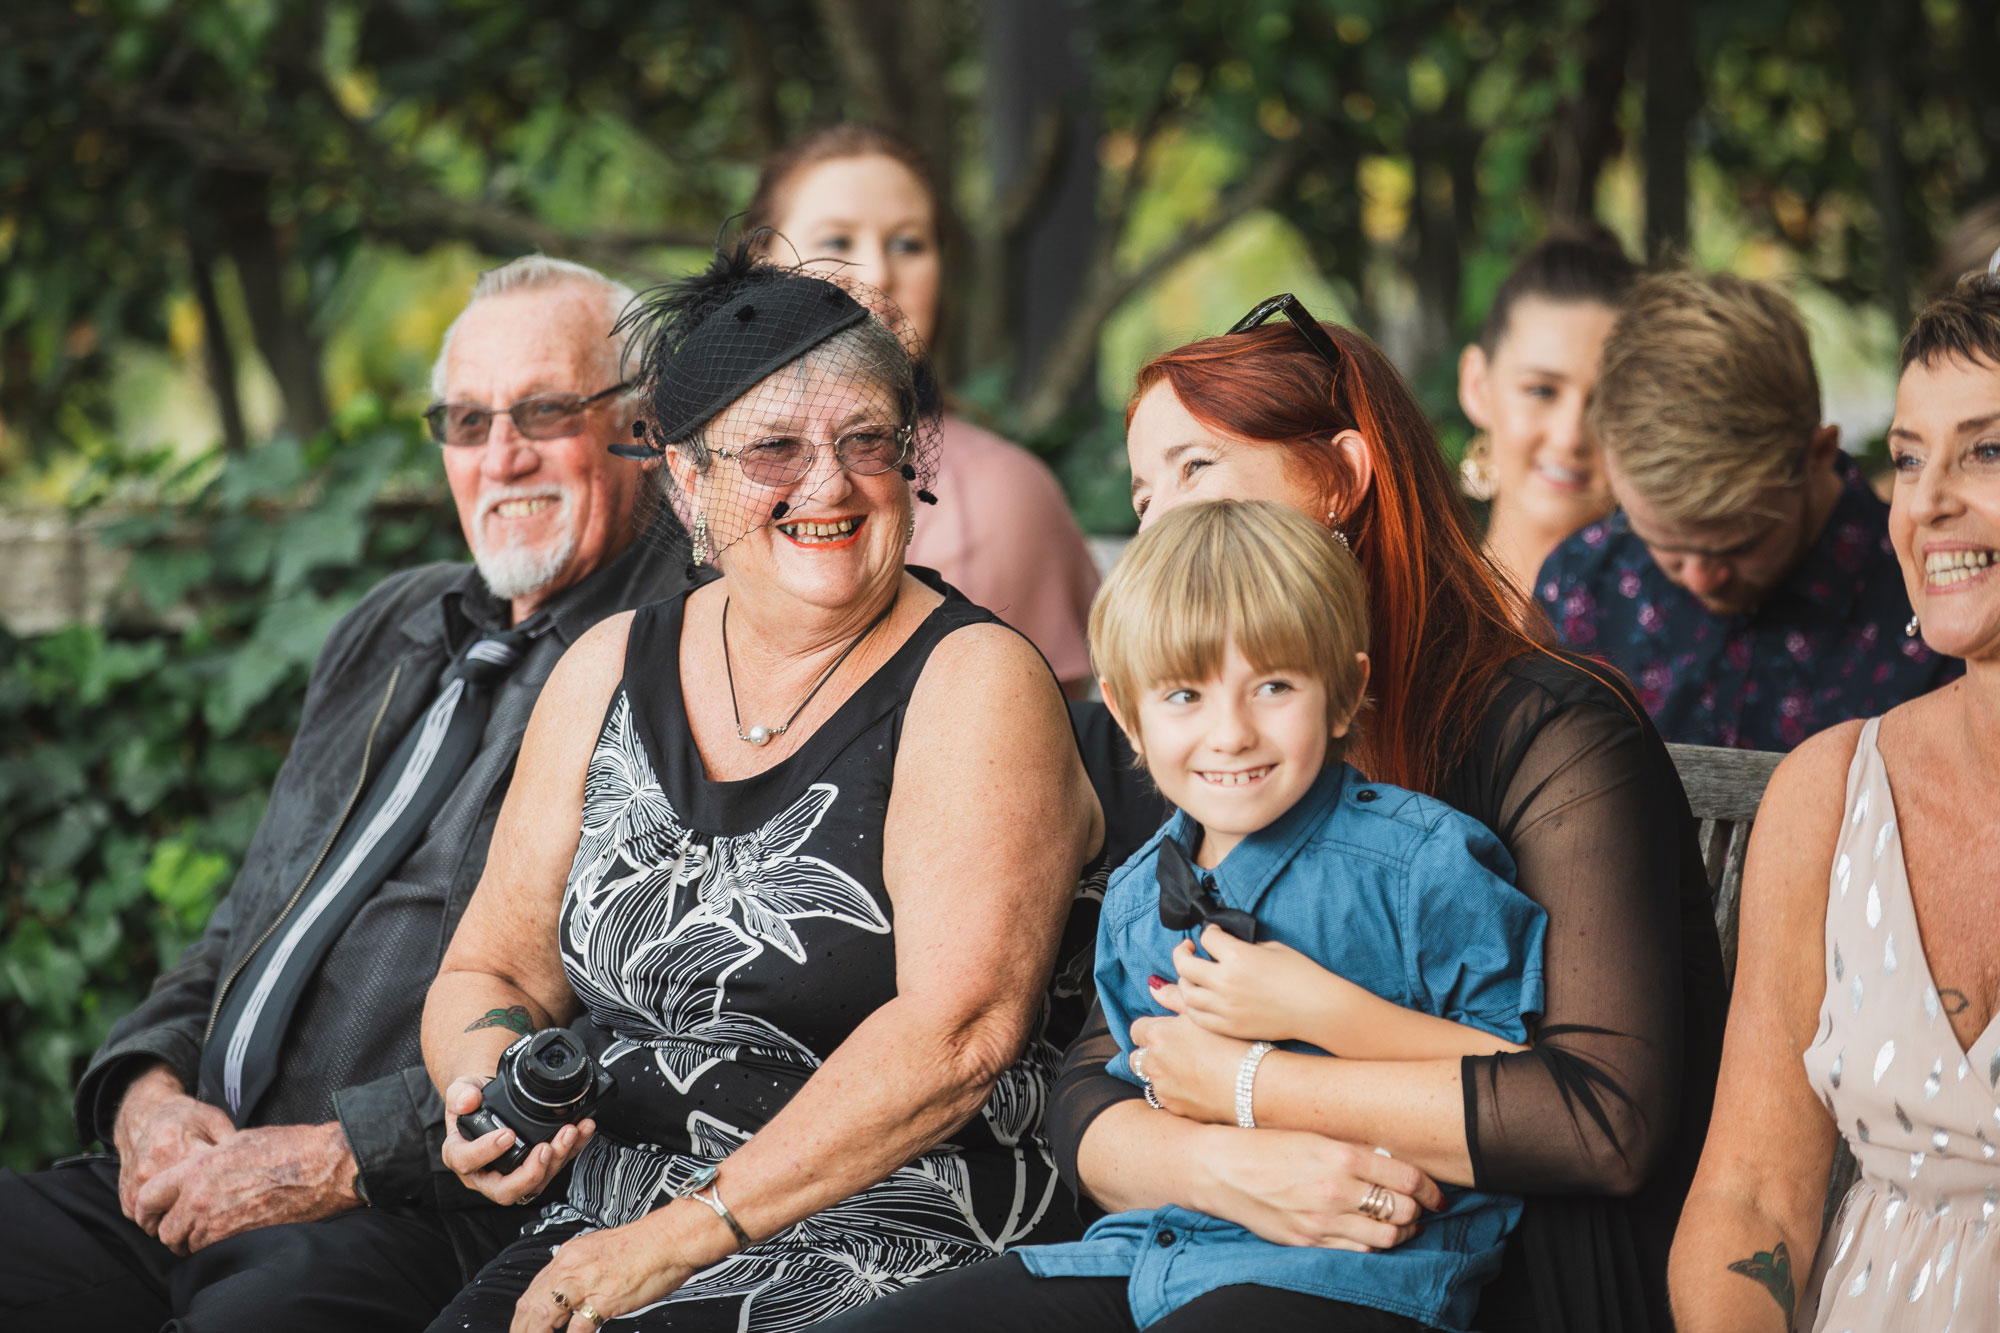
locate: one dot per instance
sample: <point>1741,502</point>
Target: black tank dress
<point>724,938</point>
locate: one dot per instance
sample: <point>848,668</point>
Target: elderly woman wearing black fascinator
<point>793,855</point>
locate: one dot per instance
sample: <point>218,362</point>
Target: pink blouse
<point>1002,534</point>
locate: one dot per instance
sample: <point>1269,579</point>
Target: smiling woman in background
<point>1525,384</point>
<point>860,201</point>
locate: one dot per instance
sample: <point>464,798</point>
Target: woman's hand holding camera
<point>472,1158</point>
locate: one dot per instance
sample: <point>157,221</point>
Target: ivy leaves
<point>136,756</point>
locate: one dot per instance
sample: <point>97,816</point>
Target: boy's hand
<point>1261,992</point>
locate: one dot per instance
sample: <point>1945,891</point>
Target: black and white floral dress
<point>724,938</point>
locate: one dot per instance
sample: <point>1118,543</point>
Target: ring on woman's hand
<point>1138,1054</point>
<point>562,1301</point>
<point>1377,1204</point>
<point>595,1319</point>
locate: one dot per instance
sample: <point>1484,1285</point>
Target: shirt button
<point>1366,794</point>
<point>1165,1240</point>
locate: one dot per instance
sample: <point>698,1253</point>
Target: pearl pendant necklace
<point>759,734</point>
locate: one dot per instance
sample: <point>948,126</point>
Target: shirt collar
<point>1826,577</point>
<point>1255,863</point>
<point>468,609</point>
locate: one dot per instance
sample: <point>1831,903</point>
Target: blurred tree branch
<point>1109,285</point>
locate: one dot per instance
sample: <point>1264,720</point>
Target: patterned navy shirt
<point>1825,646</point>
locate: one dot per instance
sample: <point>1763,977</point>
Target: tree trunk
<point>283,331</point>
<point>218,351</point>
<point>1582,136</point>
<point>757,76</point>
<point>1978,58</point>
<point>1672,93</point>
<point>1883,32</point>
<point>1034,70</point>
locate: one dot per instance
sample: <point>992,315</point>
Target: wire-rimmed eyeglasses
<point>866,451</point>
<point>545,416</point>
<point>1293,309</point>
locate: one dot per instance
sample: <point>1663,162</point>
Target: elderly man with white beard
<point>276,1140</point>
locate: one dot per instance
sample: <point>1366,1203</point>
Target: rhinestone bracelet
<point>1246,1079</point>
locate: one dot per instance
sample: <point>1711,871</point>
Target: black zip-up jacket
<point>352,1050</point>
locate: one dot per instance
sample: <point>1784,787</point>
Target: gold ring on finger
<point>590,1314</point>
<point>562,1301</point>
<point>1377,1204</point>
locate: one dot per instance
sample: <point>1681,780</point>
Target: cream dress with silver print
<point>1916,1243</point>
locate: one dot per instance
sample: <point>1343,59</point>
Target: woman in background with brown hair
<point>860,201</point>
<point>1525,384</point>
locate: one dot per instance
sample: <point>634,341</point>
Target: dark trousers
<point>70,1259</point>
<point>1002,1296</point>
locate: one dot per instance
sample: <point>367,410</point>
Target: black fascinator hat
<point>708,340</point>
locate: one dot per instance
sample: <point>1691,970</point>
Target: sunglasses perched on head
<point>546,416</point>
<point>1293,309</point>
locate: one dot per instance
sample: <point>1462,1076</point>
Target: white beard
<point>515,569</point>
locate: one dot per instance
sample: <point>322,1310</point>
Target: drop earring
<point>1475,472</point>
<point>698,555</point>
<point>1910,630</point>
<point>1333,522</point>
<point>910,533</point>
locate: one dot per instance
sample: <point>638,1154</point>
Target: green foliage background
<point>241,220</point>
<point>135,762</point>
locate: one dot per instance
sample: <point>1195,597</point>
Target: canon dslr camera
<point>545,1080</point>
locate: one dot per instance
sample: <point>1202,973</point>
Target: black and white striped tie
<point>243,1051</point>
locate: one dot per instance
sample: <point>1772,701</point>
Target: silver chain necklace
<point>762,735</point>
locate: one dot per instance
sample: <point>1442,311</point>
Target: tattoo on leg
<point>514,1016</point>
<point>1771,1270</point>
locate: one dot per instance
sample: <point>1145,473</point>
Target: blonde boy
<point>1337,915</point>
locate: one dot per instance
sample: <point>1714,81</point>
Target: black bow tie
<point>1188,901</point>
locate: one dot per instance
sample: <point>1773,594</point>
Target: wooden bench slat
<point>1724,788</point>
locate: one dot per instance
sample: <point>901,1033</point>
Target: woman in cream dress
<point>1870,967</point>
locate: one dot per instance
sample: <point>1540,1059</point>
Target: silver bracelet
<point>704,1179</point>
<point>1246,1080</point>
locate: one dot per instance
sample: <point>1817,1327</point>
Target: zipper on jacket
<point>360,780</point>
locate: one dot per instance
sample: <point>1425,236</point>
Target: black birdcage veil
<point>769,394</point>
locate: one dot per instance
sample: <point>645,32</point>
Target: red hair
<point>1442,621</point>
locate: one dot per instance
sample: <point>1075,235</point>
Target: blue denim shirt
<point>1398,893</point>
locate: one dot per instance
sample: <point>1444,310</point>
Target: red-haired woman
<point>1600,1122</point>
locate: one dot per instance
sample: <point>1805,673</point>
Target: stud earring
<point>1910,630</point>
<point>699,554</point>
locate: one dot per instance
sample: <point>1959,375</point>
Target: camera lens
<point>552,1070</point>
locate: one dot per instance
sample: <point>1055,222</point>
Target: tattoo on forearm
<point>1954,1001</point>
<point>514,1016</point>
<point>1771,1270</point>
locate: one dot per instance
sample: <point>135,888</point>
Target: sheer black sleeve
<point>1570,774</point>
<point>1083,1092</point>
<point>1133,812</point>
